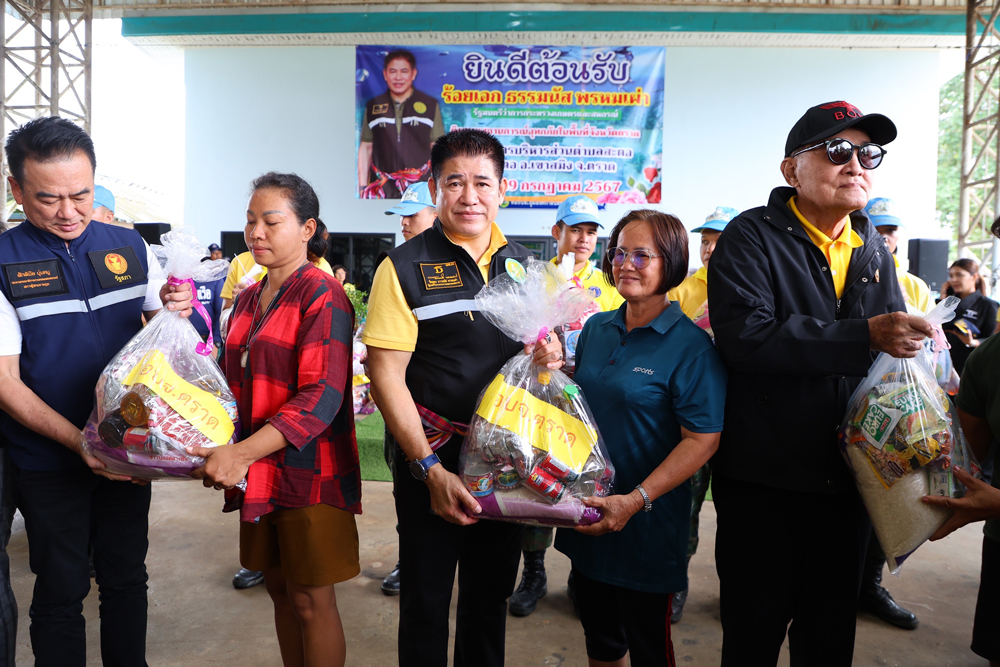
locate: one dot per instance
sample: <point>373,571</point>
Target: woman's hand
<point>967,338</point>
<point>981,502</point>
<point>177,298</point>
<point>224,466</point>
<point>617,509</point>
<point>546,352</point>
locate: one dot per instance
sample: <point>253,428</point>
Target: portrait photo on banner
<point>573,120</point>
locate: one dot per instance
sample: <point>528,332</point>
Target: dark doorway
<point>358,253</point>
<point>233,244</point>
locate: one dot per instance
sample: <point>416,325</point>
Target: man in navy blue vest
<point>429,356</point>
<point>72,293</point>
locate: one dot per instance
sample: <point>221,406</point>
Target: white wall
<point>728,111</point>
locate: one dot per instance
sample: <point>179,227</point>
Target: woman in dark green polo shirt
<point>657,389</point>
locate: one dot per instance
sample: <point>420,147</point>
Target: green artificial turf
<point>370,432</point>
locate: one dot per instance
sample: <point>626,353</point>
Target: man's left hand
<point>177,298</point>
<point>547,352</point>
<point>224,466</point>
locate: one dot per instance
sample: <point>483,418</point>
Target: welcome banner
<point>573,120</point>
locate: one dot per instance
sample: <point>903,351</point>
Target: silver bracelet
<point>647,503</point>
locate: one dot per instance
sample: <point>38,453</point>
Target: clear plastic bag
<point>533,448</point>
<point>901,442</point>
<point>163,391</point>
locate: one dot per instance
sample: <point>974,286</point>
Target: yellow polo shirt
<point>691,294</point>
<point>605,295</point>
<point>240,267</point>
<point>391,324</point>
<point>838,252</point>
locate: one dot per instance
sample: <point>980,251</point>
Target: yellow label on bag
<point>197,406</point>
<point>542,424</point>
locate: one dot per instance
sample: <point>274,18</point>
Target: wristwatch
<point>647,505</point>
<point>421,467</point>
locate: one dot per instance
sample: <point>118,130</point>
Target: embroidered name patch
<point>441,275</point>
<point>380,108</point>
<point>117,268</point>
<point>29,280</point>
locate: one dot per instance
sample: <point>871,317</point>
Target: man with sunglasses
<point>803,295</point>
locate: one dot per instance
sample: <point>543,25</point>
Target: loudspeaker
<point>233,244</point>
<point>929,261</point>
<point>151,231</point>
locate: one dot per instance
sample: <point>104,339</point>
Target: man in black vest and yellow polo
<point>397,132</point>
<point>430,354</point>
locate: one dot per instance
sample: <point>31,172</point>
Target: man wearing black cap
<point>803,296</point>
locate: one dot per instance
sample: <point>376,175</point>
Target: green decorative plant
<point>359,300</point>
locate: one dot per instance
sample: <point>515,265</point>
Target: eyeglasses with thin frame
<point>840,151</point>
<point>640,258</point>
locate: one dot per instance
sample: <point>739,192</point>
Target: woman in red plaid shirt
<point>288,362</point>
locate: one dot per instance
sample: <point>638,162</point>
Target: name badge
<point>30,280</point>
<point>380,108</point>
<point>117,268</point>
<point>440,275</point>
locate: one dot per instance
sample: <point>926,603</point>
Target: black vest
<point>410,148</point>
<point>458,351</point>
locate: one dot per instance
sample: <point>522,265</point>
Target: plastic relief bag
<point>163,391</point>
<point>533,448</point>
<point>901,441</point>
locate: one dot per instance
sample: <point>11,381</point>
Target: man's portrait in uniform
<point>397,131</point>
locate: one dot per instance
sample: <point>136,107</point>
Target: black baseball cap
<point>214,247</point>
<point>825,120</point>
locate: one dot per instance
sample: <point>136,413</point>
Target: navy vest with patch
<point>77,306</point>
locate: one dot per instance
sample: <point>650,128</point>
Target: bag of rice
<point>899,441</point>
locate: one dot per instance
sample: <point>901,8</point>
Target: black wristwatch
<point>421,467</point>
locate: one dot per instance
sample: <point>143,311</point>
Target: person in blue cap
<point>104,205</point>
<point>883,214</point>
<point>692,296</point>
<point>416,211</point>
<point>575,232</point>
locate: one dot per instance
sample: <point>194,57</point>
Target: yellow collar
<point>497,241</point>
<point>848,235</point>
<point>702,274</point>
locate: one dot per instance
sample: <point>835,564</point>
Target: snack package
<point>533,449</point>
<point>901,441</point>
<point>164,391</point>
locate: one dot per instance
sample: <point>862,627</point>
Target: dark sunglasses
<point>840,151</point>
<point>640,258</point>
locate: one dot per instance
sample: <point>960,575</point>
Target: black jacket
<point>794,352</point>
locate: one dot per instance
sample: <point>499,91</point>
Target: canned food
<point>546,485</point>
<point>507,478</point>
<point>480,484</point>
<point>557,469</point>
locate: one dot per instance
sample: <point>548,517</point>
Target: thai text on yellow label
<point>197,406</point>
<point>542,424</point>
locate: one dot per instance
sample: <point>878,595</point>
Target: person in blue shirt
<point>210,296</point>
<point>657,388</point>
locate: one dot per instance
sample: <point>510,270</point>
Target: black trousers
<point>486,555</point>
<point>788,562</point>
<point>63,512</point>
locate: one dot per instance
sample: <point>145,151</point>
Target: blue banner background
<point>544,166</point>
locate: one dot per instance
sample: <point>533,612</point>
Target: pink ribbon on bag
<point>204,349</point>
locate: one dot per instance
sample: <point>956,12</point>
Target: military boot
<point>533,584</point>
<point>877,601</point>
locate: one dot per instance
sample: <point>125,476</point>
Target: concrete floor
<point>197,618</point>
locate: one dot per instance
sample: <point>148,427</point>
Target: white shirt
<point>10,324</point>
